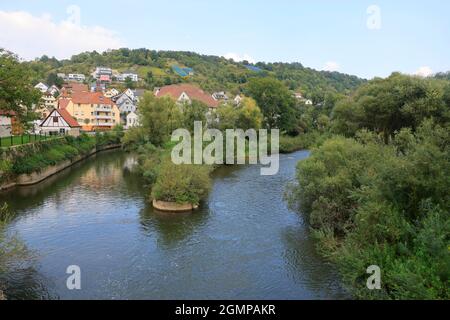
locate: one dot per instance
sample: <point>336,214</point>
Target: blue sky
<point>333,35</point>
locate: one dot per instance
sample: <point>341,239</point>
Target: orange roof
<point>91,98</point>
<point>68,118</point>
<point>63,103</point>
<point>194,93</point>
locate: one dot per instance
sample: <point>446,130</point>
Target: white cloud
<point>33,36</point>
<point>424,71</point>
<point>239,58</point>
<point>331,66</point>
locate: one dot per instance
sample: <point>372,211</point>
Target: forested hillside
<point>211,72</point>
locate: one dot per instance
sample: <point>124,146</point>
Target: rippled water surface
<point>243,243</point>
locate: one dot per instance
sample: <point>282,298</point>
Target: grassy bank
<point>31,158</point>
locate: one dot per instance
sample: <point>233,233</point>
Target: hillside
<point>212,73</point>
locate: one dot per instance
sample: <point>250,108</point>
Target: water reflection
<point>243,243</point>
<point>172,228</point>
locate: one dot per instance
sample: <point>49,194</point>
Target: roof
<point>105,78</point>
<point>66,116</point>
<point>194,93</point>
<point>90,98</point>
<point>63,103</point>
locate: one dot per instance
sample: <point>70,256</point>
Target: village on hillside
<point>79,106</point>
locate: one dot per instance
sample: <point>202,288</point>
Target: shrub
<point>181,183</point>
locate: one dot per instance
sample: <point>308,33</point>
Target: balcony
<point>103,108</point>
<point>103,117</point>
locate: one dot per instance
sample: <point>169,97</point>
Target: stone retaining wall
<point>36,177</point>
<point>173,207</point>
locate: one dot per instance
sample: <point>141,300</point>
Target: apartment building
<point>92,110</point>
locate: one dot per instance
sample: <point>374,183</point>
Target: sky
<point>364,38</point>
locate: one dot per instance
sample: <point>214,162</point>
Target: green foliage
<point>388,205</point>
<point>181,183</point>
<point>16,88</point>
<point>388,105</point>
<point>159,117</point>
<point>275,102</point>
<point>33,158</point>
<point>212,73</point>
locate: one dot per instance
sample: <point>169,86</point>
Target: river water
<point>244,243</point>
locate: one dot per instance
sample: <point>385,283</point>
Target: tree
<point>275,102</point>
<point>129,83</point>
<point>16,92</point>
<point>388,105</point>
<point>194,111</point>
<point>159,117</point>
<point>53,79</point>
<point>249,116</point>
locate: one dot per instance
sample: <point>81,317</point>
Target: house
<point>93,110</point>
<point>5,124</point>
<point>122,77</point>
<point>49,101</point>
<point>308,102</point>
<point>53,90</point>
<point>76,77</point>
<point>132,120</point>
<point>220,96</point>
<point>41,87</point>
<point>186,93</point>
<point>59,121</point>
<point>102,71</point>
<point>112,92</point>
<point>72,88</point>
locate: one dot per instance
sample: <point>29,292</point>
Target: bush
<point>375,204</point>
<point>181,183</point>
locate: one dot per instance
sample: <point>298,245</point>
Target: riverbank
<point>33,163</point>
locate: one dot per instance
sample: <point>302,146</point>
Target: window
<point>55,119</point>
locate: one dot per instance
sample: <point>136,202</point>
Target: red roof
<point>194,93</point>
<point>91,98</point>
<point>63,103</point>
<point>66,116</point>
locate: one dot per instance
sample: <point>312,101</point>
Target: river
<point>244,243</point>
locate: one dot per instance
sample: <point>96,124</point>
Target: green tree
<point>275,102</point>
<point>159,117</point>
<point>129,83</point>
<point>388,105</point>
<point>16,92</point>
<point>249,116</point>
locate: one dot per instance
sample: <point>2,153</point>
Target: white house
<point>308,102</point>
<point>112,93</point>
<point>76,77</point>
<point>59,121</point>
<point>102,71</point>
<point>122,77</point>
<point>125,104</point>
<point>220,96</point>
<point>53,90</point>
<point>41,87</point>
<point>132,120</point>
<point>5,125</point>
